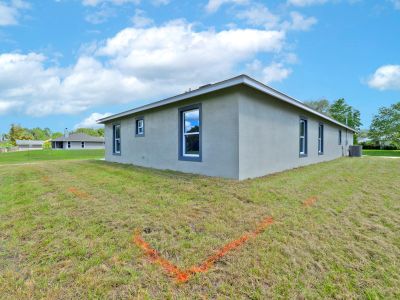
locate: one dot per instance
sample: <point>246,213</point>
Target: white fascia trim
<point>241,79</point>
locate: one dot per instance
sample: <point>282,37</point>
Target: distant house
<point>77,141</point>
<point>237,128</point>
<point>24,145</point>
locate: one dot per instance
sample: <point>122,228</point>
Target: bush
<point>375,146</point>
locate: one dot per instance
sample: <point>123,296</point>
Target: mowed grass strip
<point>45,155</point>
<point>55,244</point>
<point>392,153</point>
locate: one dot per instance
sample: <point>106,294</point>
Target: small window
<point>303,137</point>
<point>140,127</point>
<point>340,137</point>
<point>320,139</point>
<point>82,144</point>
<point>69,144</point>
<point>190,133</point>
<point>117,139</point>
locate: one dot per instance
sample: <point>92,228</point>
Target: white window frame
<point>117,139</point>
<point>303,138</point>
<point>140,126</point>
<point>184,134</point>
<point>320,138</point>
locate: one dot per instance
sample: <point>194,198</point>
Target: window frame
<point>68,145</point>
<point>305,137</point>
<point>83,145</point>
<point>137,120</point>
<point>181,135</point>
<point>114,139</point>
<point>321,129</point>
<point>340,137</point>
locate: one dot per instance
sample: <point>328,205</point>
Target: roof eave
<point>241,79</point>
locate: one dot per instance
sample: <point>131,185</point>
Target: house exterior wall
<point>78,145</point>
<point>269,136</point>
<point>159,147</point>
<point>29,147</point>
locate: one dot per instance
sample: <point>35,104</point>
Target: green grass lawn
<point>40,155</point>
<point>393,153</point>
<point>62,245</point>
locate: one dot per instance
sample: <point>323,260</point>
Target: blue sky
<point>66,63</point>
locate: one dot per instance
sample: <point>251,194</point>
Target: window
<point>82,144</point>
<point>190,133</point>
<point>117,139</point>
<point>340,137</point>
<point>140,126</point>
<point>320,139</point>
<point>69,144</point>
<point>303,137</point>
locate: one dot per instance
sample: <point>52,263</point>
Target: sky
<point>67,63</point>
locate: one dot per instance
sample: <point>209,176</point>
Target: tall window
<point>140,127</point>
<point>340,137</point>
<point>69,144</point>
<point>190,131</point>
<point>303,137</point>
<point>320,139</point>
<point>117,139</point>
<point>83,144</point>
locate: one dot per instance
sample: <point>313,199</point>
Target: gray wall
<point>245,134</point>
<point>269,136</point>
<point>159,147</point>
<point>88,145</point>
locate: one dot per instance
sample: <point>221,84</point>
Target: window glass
<point>117,139</point>
<point>191,133</point>
<point>139,126</point>
<point>320,138</point>
<point>340,137</point>
<point>303,137</point>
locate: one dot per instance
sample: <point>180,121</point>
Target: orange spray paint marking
<point>182,275</point>
<point>310,201</point>
<point>78,193</point>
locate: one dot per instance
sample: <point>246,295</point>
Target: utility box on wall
<point>355,151</point>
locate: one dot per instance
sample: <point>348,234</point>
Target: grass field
<point>41,155</point>
<point>66,231</point>
<point>393,153</point>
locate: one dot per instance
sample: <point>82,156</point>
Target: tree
<point>346,114</point>
<point>55,135</point>
<point>90,131</point>
<point>385,126</point>
<point>321,106</point>
<point>18,133</point>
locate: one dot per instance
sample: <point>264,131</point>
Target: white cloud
<point>260,15</point>
<point>160,2</point>
<point>303,3</point>
<point>101,15</point>
<point>6,106</point>
<point>116,2</point>
<point>299,22</point>
<point>213,5</point>
<point>91,121</point>
<point>386,78</point>
<point>396,4</point>
<point>9,13</point>
<point>135,64</point>
<point>140,19</point>
<point>275,72</point>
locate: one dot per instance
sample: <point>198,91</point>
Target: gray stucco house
<point>238,128</point>
<point>24,145</point>
<point>77,141</point>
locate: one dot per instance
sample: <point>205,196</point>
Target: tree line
<point>18,132</point>
<point>384,131</point>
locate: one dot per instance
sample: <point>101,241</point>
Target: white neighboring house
<point>76,141</point>
<point>25,145</point>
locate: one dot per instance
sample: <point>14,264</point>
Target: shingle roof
<point>29,142</point>
<point>238,80</point>
<point>79,137</point>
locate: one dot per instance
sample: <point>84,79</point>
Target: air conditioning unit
<point>355,151</point>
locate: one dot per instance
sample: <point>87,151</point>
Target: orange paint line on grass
<point>78,193</point>
<point>184,275</point>
<point>310,201</point>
